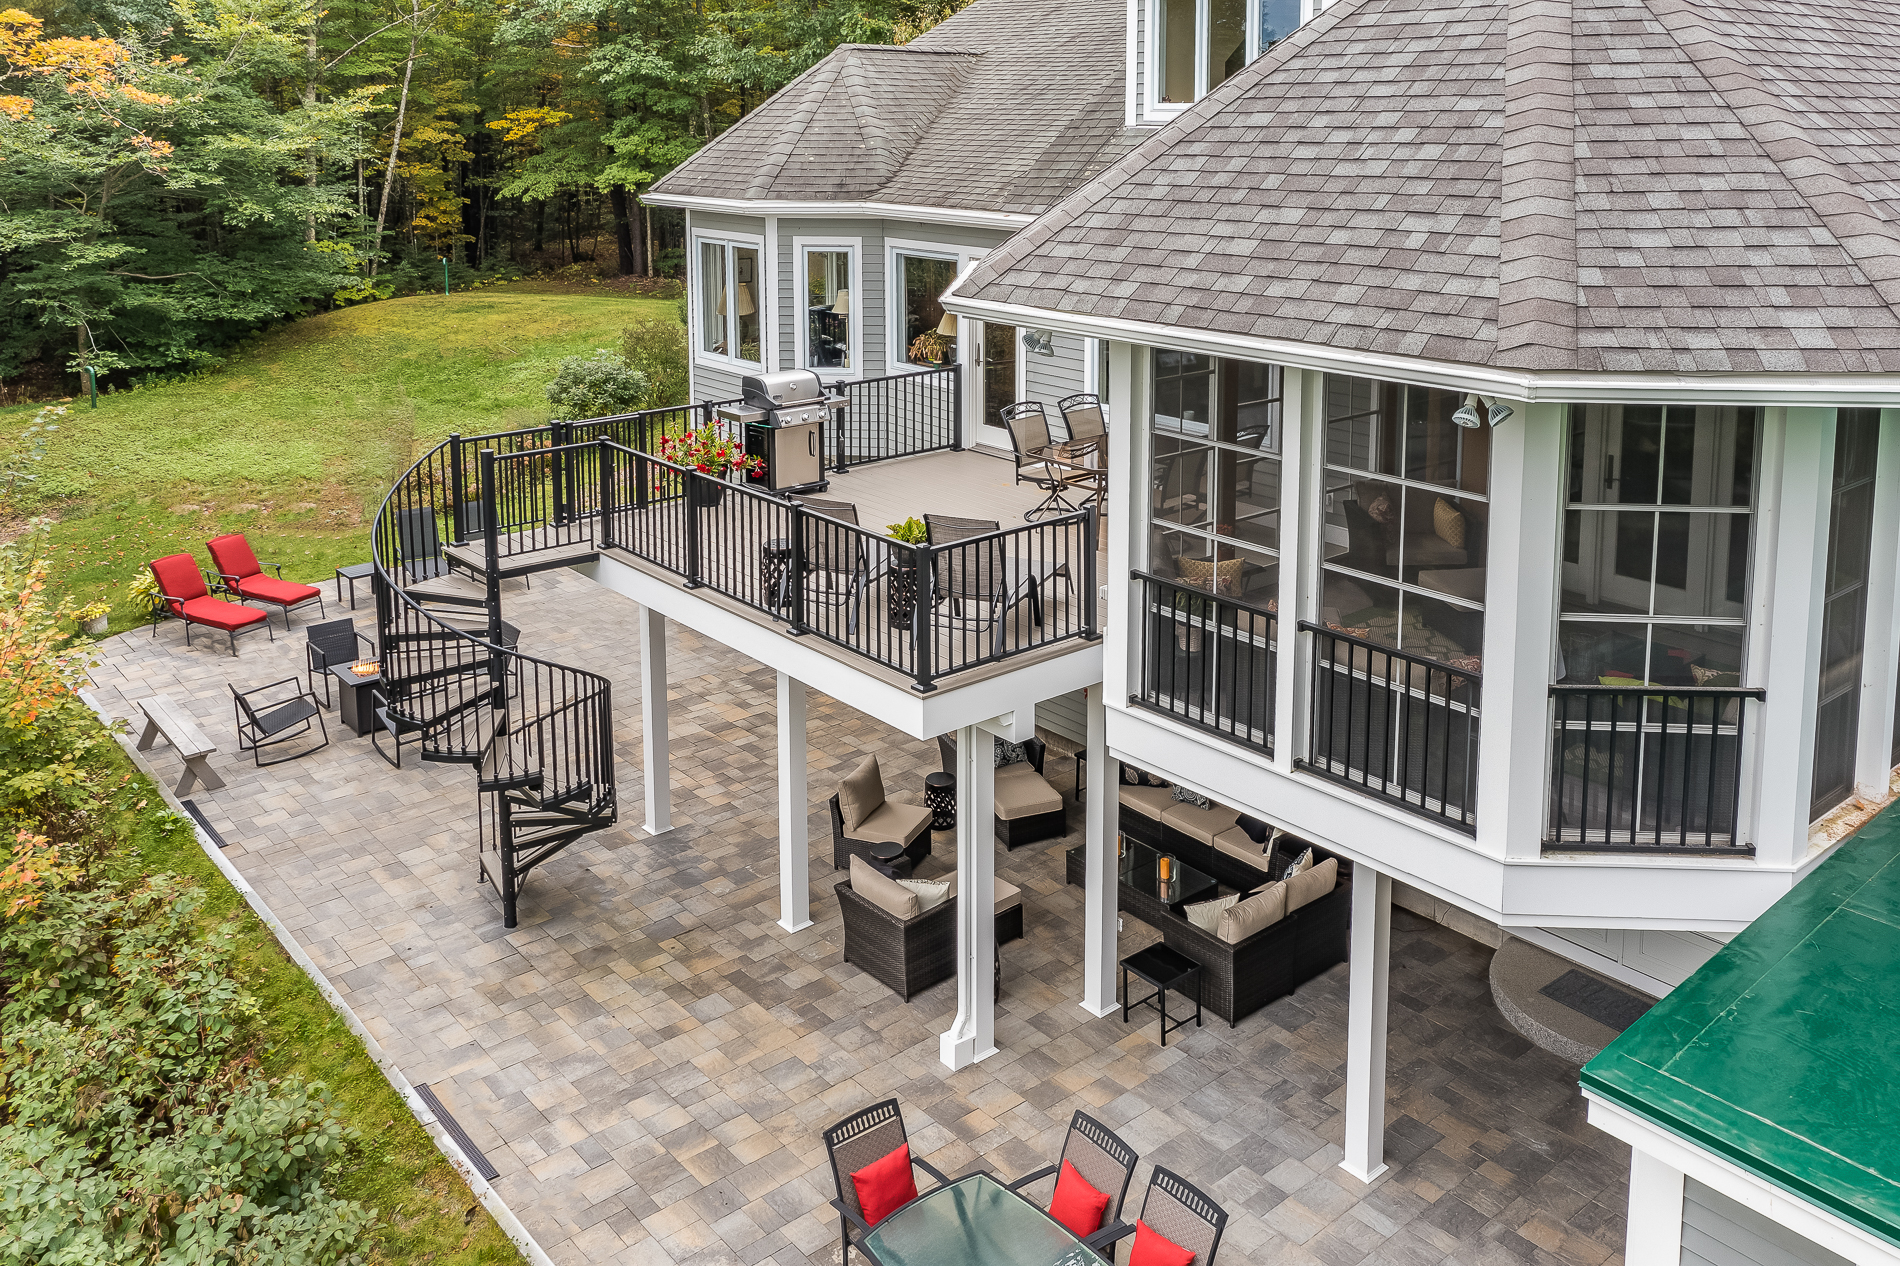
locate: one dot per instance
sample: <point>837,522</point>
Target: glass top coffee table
<point>1140,869</point>
<point>975,1221</point>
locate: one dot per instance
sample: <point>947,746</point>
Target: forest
<point>176,175</point>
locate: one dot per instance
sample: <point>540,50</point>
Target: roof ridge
<point>907,48</point>
<point>1537,215</point>
<point>1856,224</point>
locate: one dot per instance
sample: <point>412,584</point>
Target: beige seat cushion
<point>882,891</point>
<point>1025,796</point>
<point>931,893</point>
<point>1262,910</point>
<point>860,793</point>
<point>1201,824</point>
<point>1007,895</point>
<point>1237,844</point>
<point>1311,885</point>
<point>893,823</point>
<point>1150,802</point>
<point>1016,769</point>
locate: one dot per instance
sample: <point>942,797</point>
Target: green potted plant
<point>92,618</point>
<point>901,593</point>
<point>143,591</point>
<point>709,453</point>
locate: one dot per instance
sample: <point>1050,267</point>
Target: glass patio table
<point>975,1221</point>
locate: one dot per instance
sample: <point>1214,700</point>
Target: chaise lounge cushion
<point>1024,795</point>
<point>1150,802</point>
<point>860,794</point>
<point>219,615</point>
<point>1262,910</point>
<point>1311,885</point>
<point>281,593</point>
<point>1197,823</point>
<point>882,891</point>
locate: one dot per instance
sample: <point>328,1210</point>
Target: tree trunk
<point>646,219</point>
<point>623,231</point>
<point>395,142</point>
<point>310,105</point>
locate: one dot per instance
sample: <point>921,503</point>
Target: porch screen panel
<point>1850,535</point>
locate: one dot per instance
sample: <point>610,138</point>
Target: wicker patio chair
<point>1179,1211</point>
<point>332,642</point>
<point>1100,1156</point>
<point>855,1142</point>
<point>875,819</point>
<point>907,956</point>
<point>1028,807</point>
<point>263,723</point>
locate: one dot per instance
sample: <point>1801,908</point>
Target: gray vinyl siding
<point>1066,716</point>
<point>1716,1231</point>
<point>710,381</point>
<point>1141,61</point>
<point>1050,378</point>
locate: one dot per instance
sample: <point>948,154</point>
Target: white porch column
<point>1654,1237</point>
<point>1873,764</point>
<point>1300,550</point>
<point>1100,907</point>
<point>1366,1023</point>
<point>653,721</point>
<point>794,834</point>
<point>972,1034</point>
<point>1520,629</point>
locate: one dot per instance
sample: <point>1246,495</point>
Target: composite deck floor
<point>649,1058</point>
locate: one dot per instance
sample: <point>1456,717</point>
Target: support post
<point>794,808</point>
<point>1299,559</point>
<point>1873,764</point>
<point>1366,1023</point>
<point>1654,1236</point>
<point>923,626</point>
<point>972,1035</point>
<point>653,721</point>
<point>1102,887</point>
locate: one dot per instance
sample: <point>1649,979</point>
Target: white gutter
<point>1825,390</point>
<point>1005,220</point>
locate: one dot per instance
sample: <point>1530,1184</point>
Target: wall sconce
<point>1041,342</point>
<point>1495,409</point>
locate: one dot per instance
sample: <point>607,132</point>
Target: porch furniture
<point>391,724</point>
<point>775,557</point>
<point>183,593</point>
<point>861,817</point>
<point>240,571</point>
<point>981,582</point>
<point>1138,874</point>
<point>1181,1213</point>
<point>1163,969</point>
<point>165,719</point>
<point>353,573</point>
<point>420,544</point>
<point>940,794</point>
<point>862,1139</point>
<point>268,722</point>
<point>889,936</point>
<point>975,1221</point>
<point>1082,415</point>
<point>835,558</point>
<point>1027,808</point>
<point>356,697</point>
<point>1081,465</point>
<point>1099,1155</point>
<point>331,643</point>
<point>1028,429</point>
<point>889,858</point>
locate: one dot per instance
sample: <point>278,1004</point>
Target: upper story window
<point>1406,519</point>
<point>829,318</point>
<point>1197,45</point>
<point>729,321</point>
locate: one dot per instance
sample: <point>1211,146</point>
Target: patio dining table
<point>975,1221</point>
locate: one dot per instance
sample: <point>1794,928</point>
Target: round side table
<point>940,793</point>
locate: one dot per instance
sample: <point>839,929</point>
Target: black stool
<point>940,793</point>
<point>1165,969</point>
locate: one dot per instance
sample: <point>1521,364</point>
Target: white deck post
<point>794,810</point>
<point>1654,1237</point>
<point>1366,1023</point>
<point>1873,766</point>
<point>653,721</point>
<point>972,1034</point>
<point>1100,805</point>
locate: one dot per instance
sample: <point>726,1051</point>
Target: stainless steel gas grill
<point>782,418</point>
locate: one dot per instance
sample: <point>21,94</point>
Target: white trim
<point>869,210</point>
<point>769,297</point>
<point>1130,106</point>
<point>1653,1228</point>
<point>1873,756</point>
<point>1825,390</point>
<point>1154,110</point>
<point>719,237</point>
<point>801,326</point>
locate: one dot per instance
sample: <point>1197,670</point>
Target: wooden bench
<point>164,717</point>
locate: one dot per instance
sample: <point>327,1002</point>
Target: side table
<point>889,858</point>
<point>1164,969</point>
<point>352,573</point>
<point>775,561</point>
<point>940,793</point>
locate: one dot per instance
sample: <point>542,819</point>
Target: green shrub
<point>596,386</point>
<point>656,347</point>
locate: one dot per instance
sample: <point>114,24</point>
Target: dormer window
<point>1197,45</point>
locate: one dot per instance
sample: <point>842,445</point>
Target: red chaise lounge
<point>242,574</point>
<point>181,587</point>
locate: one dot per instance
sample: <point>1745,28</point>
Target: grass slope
<point>293,441</point>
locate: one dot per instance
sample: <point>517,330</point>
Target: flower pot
<point>95,627</point>
<point>705,492</point>
<point>1188,636</point>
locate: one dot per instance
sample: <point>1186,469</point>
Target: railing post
<point>604,532</point>
<point>688,482</point>
<point>642,481</point>
<point>560,472</point>
<point>458,491</point>
<point>1090,603</point>
<point>795,573</point>
<point>491,574</point>
<point>923,629</point>
<point>838,424</point>
<point>956,407</point>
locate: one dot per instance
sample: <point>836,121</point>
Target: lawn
<point>294,439</point>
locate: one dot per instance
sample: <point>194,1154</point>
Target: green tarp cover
<point>1782,1054</point>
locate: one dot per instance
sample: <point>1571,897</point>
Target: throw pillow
<point>860,794</point>
<point>931,893</point>
<point>882,891</point>
<point>1155,1249</point>
<point>1448,523</point>
<point>1303,862</point>
<point>885,1185</point>
<point>1242,919</point>
<point>1257,831</point>
<point>1008,753</point>
<point>1076,1204</point>
<point>1195,798</point>
<point>1312,884</point>
<point>1205,915</point>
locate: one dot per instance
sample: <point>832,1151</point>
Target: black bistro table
<point>1163,969</point>
<point>975,1221</point>
<point>356,698</point>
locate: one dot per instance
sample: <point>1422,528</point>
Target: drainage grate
<point>203,822</point>
<point>1599,1000</point>
<point>482,1164</point>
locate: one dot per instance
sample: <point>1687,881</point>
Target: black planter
<point>704,492</point>
<point>900,593</point>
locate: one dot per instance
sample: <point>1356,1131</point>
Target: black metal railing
<point>898,415</point>
<point>1651,769</point>
<point>1398,726</point>
<point>924,611</point>
<point>1208,660</point>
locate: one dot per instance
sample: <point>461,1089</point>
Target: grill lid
<point>782,388</point>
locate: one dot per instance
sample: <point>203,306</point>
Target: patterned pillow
<point>1008,753</point>
<point>1195,798</point>
<point>1303,862</point>
<point>1142,778</point>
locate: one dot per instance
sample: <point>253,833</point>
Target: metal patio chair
<point>1082,414</point>
<point>182,592</point>
<point>834,559</point>
<point>1178,1210</point>
<point>1028,428</point>
<point>333,642</point>
<point>1100,1156</point>
<point>420,543</point>
<point>982,581</point>
<point>263,723</point>
<point>855,1142</point>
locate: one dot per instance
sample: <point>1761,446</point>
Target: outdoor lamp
<point>1498,410</point>
<point>1041,342</point>
<point>1467,414</point>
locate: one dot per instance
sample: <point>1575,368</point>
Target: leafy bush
<point>596,386</point>
<point>656,347</point>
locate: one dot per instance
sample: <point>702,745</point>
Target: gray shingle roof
<point>1008,106</point>
<point>1614,185</point>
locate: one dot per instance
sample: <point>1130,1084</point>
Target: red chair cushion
<point>232,555</point>
<point>178,577</point>
<point>220,615</point>
<point>1076,1204</point>
<point>1155,1249</point>
<point>885,1184</point>
<point>283,593</point>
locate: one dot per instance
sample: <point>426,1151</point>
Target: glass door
<point>997,354</point>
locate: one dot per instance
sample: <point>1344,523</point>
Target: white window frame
<point>1154,107</point>
<point>894,345</point>
<point>801,333</point>
<point>695,291</point>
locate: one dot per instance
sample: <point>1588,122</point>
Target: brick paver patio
<point>649,1058</point>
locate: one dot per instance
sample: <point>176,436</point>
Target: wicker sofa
<point>1028,809</point>
<point>910,955</point>
<point>1210,839</point>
